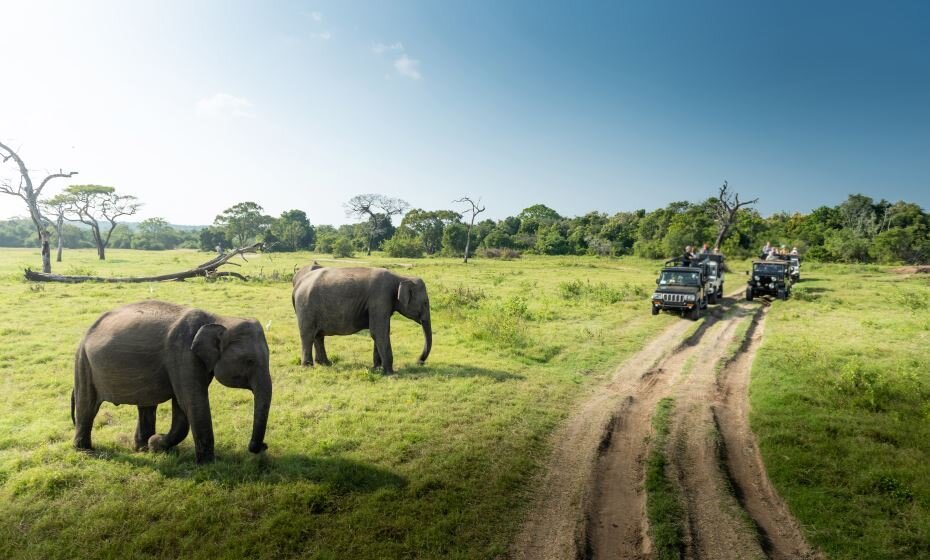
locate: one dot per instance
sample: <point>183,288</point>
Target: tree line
<point>859,229</point>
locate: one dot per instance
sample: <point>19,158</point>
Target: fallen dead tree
<point>206,270</point>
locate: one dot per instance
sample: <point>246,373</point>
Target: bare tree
<point>24,189</point>
<point>726,209</point>
<point>55,210</point>
<point>473,210</point>
<point>376,210</point>
<point>94,204</point>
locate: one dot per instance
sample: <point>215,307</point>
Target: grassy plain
<point>841,406</point>
<point>434,462</point>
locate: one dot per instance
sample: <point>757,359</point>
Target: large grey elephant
<point>150,352</point>
<point>340,301</point>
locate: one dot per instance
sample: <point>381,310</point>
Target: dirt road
<point>591,503</point>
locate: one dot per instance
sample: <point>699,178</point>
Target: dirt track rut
<point>591,502</point>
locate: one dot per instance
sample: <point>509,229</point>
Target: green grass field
<point>434,462</point>
<point>841,405</point>
<point>437,461</point>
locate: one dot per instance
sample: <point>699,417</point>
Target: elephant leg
<point>307,339</point>
<point>179,430</point>
<point>376,357</point>
<point>86,405</point>
<point>320,348</point>
<point>381,332</point>
<point>146,426</point>
<point>197,409</point>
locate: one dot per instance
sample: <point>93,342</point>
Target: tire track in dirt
<point>779,532</point>
<point>715,525</point>
<point>591,501</point>
<point>555,526</point>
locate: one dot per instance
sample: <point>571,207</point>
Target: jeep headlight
<point>657,296</point>
<point>756,278</point>
<point>689,297</point>
<point>771,284</point>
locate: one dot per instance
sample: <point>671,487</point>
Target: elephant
<point>149,352</point>
<point>341,301</point>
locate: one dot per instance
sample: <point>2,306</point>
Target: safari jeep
<point>769,278</point>
<point>714,264</point>
<point>794,267</point>
<point>681,288</point>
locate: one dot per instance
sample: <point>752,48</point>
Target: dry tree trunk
<point>207,270</point>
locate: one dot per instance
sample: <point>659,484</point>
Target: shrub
<point>342,248</point>
<point>404,247</point>
<point>458,298</point>
<point>600,291</point>
<point>503,253</point>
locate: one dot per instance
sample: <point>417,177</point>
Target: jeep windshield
<point>672,278</point>
<point>769,269</point>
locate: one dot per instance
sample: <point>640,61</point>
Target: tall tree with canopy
<point>428,226</point>
<point>726,209</point>
<point>25,189</point>
<point>473,209</point>
<point>376,210</point>
<point>293,230</point>
<point>55,210</point>
<point>96,206</point>
<point>243,222</point>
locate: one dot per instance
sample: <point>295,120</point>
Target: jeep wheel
<point>696,313</point>
<point>748,294</point>
<point>655,310</point>
<point>712,298</point>
<point>781,294</point>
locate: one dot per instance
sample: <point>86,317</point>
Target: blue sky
<point>581,106</point>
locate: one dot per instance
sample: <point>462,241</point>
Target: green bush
<point>404,247</point>
<point>599,291</point>
<point>342,248</point>
<point>458,298</point>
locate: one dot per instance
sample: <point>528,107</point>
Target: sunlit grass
<point>434,462</point>
<point>841,405</point>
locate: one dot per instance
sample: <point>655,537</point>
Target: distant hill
<point>133,226</point>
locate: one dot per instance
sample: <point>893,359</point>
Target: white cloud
<point>316,16</point>
<point>381,48</point>
<point>323,36</point>
<point>408,67</point>
<point>224,105</point>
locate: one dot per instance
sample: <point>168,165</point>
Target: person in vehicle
<point>687,256</point>
<point>766,250</point>
<point>794,251</point>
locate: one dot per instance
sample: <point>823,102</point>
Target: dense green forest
<point>859,229</point>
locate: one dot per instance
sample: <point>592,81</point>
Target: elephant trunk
<point>261,390</point>
<point>428,340</point>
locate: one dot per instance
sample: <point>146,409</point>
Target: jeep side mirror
<point>657,280</point>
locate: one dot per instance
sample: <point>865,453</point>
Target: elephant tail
<point>72,408</point>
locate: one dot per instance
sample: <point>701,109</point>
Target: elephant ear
<point>206,345</point>
<point>404,292</point>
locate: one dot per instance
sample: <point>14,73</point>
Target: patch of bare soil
<point>780,535</point>
<point>908,270</point>
<point>591,501</point>
<point>555,527</point>
<point>715,525</point>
